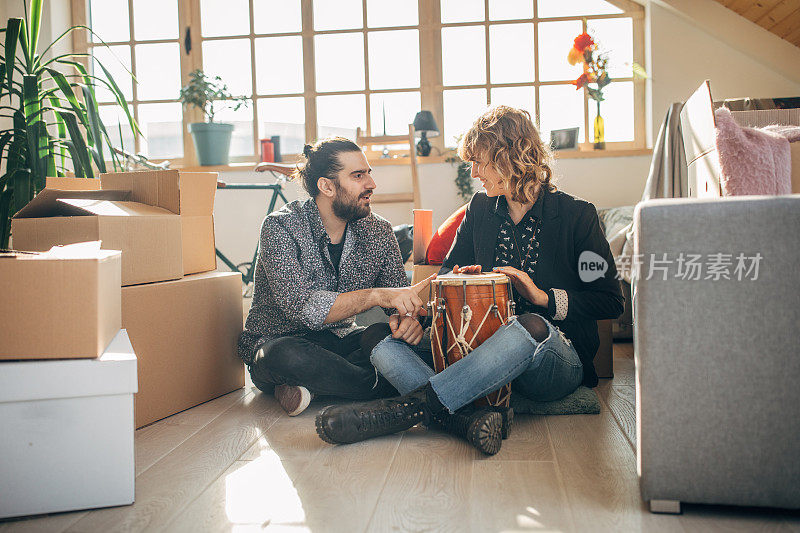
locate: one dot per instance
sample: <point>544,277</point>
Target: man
<point>320,262</point>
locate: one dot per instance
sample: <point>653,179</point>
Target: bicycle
<point>281,173</point>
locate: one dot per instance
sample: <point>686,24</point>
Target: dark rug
<point>583,401</point>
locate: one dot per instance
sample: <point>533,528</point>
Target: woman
<point>522,226</point>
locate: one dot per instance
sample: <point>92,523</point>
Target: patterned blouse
<point>517,245</point>
<point>296,283</point>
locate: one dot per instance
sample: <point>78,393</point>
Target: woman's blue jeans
<point>542,371</point>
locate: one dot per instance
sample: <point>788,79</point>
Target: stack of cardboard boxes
<point>182,318</point>
<point>67,379</point>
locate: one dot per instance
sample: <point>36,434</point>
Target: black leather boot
<point>508,419</point>
<point>344,424</point>
<point>482,427</point>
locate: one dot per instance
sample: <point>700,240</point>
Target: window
<point>143,40</point>
<point>315,68</point>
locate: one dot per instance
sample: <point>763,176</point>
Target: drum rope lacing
<point>464,345</point>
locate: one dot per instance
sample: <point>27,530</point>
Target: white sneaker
<point>293,399</point>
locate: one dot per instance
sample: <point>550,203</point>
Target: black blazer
<point>569,226</point>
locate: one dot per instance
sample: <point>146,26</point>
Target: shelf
<point>247,166</point>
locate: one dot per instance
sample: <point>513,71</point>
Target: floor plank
<point>723,519</point>
<point>598,470</point>
<point>518,496</point>
<point>259,488</point>
<point>54,523</point>
<point>156,440</point>
<point>528,441</point>
<point>428,487</point>
<point>340,486</point>
<point>621,401</point>
<point>173,482</point>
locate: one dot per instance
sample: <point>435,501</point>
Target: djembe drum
<point>467,309</point>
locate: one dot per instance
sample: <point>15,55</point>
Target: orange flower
<point>583,41</point>
<point>574,56</point>
<point>581,81</point>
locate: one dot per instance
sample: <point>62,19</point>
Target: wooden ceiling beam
<point>780,17</point>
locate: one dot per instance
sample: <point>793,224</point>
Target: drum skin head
<point>484,278</point>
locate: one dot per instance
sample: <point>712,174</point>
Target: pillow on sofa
<point>443,239</point>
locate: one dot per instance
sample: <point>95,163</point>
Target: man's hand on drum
<point>524,285</point>
<point>405,299</point>
<point>468,269</point>
<point>406,328</point>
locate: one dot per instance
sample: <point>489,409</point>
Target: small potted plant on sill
<point>212,140</point>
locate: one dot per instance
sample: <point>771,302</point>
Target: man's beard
<point>347,207</point>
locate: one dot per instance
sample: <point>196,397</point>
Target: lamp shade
<point>424,122</point>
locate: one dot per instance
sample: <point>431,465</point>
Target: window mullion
<point>366,67</point>
<point>430,49</point>
<point>488,53</point>
<point>253,100</point>
<point>536,96</point>
<point>586,136</point>
<point>309,75</point>
<point>189,20</point>
<point>137,139</point>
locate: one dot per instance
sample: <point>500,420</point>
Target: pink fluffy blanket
<point>753,161</point>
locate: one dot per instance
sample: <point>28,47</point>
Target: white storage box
<point>66,441</point>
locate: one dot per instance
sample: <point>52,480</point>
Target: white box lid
<point>114,372</point>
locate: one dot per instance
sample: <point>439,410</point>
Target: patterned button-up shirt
<point>295,281</point>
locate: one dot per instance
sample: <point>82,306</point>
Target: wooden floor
<point>239,464</point>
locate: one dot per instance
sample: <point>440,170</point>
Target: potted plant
<point>212,140</point>
<point>54,124</point>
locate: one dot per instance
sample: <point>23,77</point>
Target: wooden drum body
<point>467,309</point>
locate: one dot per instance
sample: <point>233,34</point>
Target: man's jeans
<point>323,363</point>
<point>542,371</point>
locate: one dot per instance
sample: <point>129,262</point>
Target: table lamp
<point>425,125</point>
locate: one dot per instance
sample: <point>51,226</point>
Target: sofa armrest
<point>717,360</point>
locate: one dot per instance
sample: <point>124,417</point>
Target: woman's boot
<point>482,427</point>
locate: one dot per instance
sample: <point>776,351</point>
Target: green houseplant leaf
<point>56,120</point>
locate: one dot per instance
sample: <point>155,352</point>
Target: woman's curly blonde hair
<point>507,139</point>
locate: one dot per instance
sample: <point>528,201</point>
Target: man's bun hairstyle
<point>322,161</point>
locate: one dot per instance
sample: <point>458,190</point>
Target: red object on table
<point>267,151</point>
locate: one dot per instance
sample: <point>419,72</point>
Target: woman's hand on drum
<point>406,328</point>
<point>405,299</point>
<point>468,269</point>
<point>525,285</point>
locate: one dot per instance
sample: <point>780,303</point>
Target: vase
<point>599,130</point>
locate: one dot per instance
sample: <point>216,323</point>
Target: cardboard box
<point>604,358</point>
<point>61,304</point>
<point>148,236</point>
<point>419,273</point>
<point>188,194</point>
<point>67,437</point>
<point>73,184</point>
<point>185,334</point>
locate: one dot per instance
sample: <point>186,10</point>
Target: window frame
<point>431,86</point>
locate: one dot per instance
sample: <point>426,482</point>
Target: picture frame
<point>564,139</point>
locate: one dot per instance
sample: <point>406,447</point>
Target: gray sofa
<point>718,361</point>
